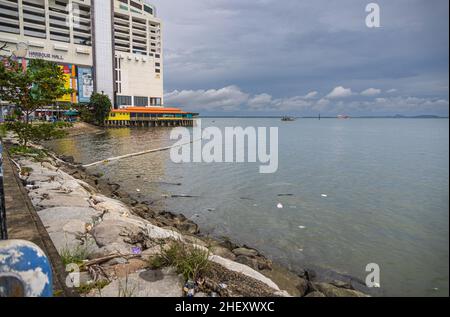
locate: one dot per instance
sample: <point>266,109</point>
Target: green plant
<point>100,106</point>
<point>87,288</point>
<point>75,255</point>
<point>40,84</point>
<point>86,114</point>
<point>126,290</point>
<point>3,130</point>
<point>27,151</point>
<point>189,261</point>
<point>37,132</point>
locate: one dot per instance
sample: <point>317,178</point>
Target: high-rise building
<point>109,46</point>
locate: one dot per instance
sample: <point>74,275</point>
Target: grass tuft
<point>74,255</point>
<point>189,261</point>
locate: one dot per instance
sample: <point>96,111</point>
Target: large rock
<point>56,217</point>
<point>315,294</point>
<point>294,284</point>
<point>332,291</point>
<point>113,231</point>
<point>105,204</point>
<point>113,248</point>
<point>243,269</point>
<point>53,199</point>
<point>133,265</point>
<point>149,283</point>
<point>245,252</point>
<point>223,252</point>
<point>64,241</point>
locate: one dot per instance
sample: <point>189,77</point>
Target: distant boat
<point>286,118</point>
<point>341,116</point>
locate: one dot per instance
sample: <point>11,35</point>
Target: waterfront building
<point>150,117</point>
<point>109,46</point>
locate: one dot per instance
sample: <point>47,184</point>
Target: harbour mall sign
<point>44,55</point>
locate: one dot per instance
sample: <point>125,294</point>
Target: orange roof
<point>151,110</point>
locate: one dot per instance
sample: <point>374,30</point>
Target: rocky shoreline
<point>121,235</point>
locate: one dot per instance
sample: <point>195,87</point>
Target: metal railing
<point>3,232</point>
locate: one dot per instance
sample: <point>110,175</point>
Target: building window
<point>136,5</point>
<point>148,9</point>
<point>158,71</point>
<point>124,101</point>
<point>140,101</point>
<point>157,64</point>
<point>155,101</point>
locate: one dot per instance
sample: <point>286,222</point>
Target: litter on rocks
<point>136,250</point>
<point>189,288</point>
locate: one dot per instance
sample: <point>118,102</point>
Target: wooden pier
<point>151,122</point>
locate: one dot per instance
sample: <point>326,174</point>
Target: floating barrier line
<point>108,160</point>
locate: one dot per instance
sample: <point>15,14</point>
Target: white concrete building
<point>110,46</point>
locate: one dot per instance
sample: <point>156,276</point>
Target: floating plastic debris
<point>324,196</point>
<point>301,227</point>
<point>211,209</point>
<point>280,206</point>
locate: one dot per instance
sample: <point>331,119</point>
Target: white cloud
<point>227,98</point>
<point>371,92</point>
<point>391,91</point>
<point>233,99</point>
<point>260,101</point>
<point>339,92</point>
<point>311,95</point>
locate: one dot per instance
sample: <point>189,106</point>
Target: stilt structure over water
<point>150,117</point>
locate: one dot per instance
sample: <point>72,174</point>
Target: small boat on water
<point>286,118</point>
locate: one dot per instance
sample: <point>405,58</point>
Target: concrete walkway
<point>23,223</point>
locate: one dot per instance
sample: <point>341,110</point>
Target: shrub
<point>37,132</point>
<point>101,106</point>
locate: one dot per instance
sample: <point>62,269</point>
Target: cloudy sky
<point>265,57</point>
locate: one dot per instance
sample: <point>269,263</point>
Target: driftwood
<point>109,257</point>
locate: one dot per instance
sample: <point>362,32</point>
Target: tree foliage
<point>100,105</point>
<point>39,85</point>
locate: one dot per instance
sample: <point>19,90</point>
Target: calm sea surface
<point>386,182</point>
